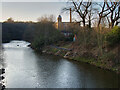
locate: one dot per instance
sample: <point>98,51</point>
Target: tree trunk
<point>112,23</point>
<point>89,22</point>
<point>84,22</point>
<point>99,21</point>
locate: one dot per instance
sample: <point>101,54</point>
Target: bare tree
<point>103,12</point>
<point>91,14</point>
<point>109,10</point>
<point>10,20</point>
<point>80,7</point>
<point>114,8</point>
<point>49,18</point>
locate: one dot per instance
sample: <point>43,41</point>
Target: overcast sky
<point>31,11</point>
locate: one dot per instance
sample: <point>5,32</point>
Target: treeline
<point>39,34</point>
<point>13,31</point>
<point>99,25</point>
<point>90,13</point>
<point>43,33</point>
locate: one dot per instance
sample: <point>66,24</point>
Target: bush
<point>45,34</point>
<point>113,37</point>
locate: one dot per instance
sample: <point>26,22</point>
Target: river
<point>27,69</point>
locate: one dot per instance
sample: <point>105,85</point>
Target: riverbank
<point>39,70</point>
<point>80,53</point>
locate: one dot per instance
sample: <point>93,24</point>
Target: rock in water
<point>67,55</point>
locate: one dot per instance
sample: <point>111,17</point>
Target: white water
<point>16,44</point>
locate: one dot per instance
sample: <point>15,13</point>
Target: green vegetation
<point>13,31</point>
<point>38,34</point>
<point>45,34</point>
<point>54,50</point>
<point>113,37</point>
<point>84,59</point>
<point>91,46</point>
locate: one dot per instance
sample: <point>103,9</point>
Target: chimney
<point>70,16</point>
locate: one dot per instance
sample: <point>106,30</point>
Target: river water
<point>27,69</point>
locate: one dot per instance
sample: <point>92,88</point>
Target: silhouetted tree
<point>10,20</point>
<point>80,7</point>
<point>114,9</point>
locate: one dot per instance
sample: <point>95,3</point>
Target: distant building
<point>66,27</point>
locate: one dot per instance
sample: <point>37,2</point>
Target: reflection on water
<point>27,69</point>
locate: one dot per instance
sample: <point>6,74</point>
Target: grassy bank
<point>98,46</point>
<point>79,54</point>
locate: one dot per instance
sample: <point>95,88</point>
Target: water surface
<point>27,69</point>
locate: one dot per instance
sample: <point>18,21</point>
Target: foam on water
<point>16,44</point>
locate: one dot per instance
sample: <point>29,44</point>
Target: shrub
<point>113,37</point>
<point>45,34</point>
